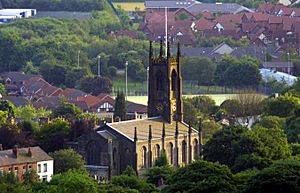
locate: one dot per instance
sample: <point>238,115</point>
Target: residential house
<point>223,8</point>
<point>286,67</point>
<point>21,160</point>
<point>72,93</point>
<point>17,101</point>
<point>15,81</point>
<point>217,52</point>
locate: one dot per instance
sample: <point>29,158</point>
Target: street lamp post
<point>126,65</point>
<point>78,58</point>
<point>99,69</point>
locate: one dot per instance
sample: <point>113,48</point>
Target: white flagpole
<point>166,31</point>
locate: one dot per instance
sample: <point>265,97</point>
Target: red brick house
<point>21,160</point>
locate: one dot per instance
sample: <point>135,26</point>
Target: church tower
<point>165,85</point>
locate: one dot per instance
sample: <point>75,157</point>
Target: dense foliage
<point>202,176</point>
<point>66,52</point>
<point>66,159</point>
<point>241,149</point>
<point>56,5</point>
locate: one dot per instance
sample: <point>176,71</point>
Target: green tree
<point>72,181</point>
<point>272,122</point>
<point>67,110</point>
<point>30,177</point>
<point>73,76</point>
<point>3,118</point>
<point>189,112</point>
<point>202,176</point>
<point>7,106</point>
<point>120,106</point>
<point>293,130</point>
<point>242,149</point>
<point>2,90</point>
<point>282,176</point>
<point>132,182</point>
<point>67,159</point>
<point>10,184</point>
<point>159,174</point>
<point>27,112</point>
<point>199,69</point>
<point>95,85</point>
<point>52,135</point>
<point>203,104</point>
<point>282,106</point>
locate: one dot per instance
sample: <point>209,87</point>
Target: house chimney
<point>29,152</point>
<point>15,151</point>
<point>1,147</point>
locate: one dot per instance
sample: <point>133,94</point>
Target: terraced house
<point>22,160</point>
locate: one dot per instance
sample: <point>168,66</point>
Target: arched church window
<point>183,151</point>
<point>170,152</point>
<point>174,81</point>
<point>93,153</point>
<point>115,158</point>
<point>195,145</point>
<point>159,81</point>
<point>157,151</point>
<point>127,157</point>
<point>144,154</point>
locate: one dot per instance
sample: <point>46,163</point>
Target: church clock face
<point>173,105</point>
<point>159,107</point>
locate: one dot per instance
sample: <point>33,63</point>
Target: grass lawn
<point>219,98</point>
<point>140,88</point>
<point>130,6</point>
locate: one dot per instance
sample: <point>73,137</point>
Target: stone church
<point>114,146</point>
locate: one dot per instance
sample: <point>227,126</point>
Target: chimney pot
<point>29,152</point>
<point>16,151</point>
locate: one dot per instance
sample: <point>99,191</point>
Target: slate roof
<point>18,101</point>
<point>126,128</point>
<point>217,8</point>
<point>132,107</point>
<point>168,3</point>
<point>7,157</point>
<point>194,51</point>
<point>277,64</point>
<point>49,102</point>
<point>17,76</point>
<point>238,52</point>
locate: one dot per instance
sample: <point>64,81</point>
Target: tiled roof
<point>233,18</point>
<point>126,128</point>
<point>72,92</point>
<point>260,17</point>
<point>275,20</point>
<point>7,157</point>
<point>89,100</point>
<point>49,91</point>
<point>265,7</point>
<point>204,24</point>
